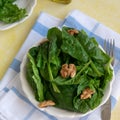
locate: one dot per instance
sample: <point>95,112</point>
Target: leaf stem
<point>95,69</point>
<point>51,79</point>
<point>85,66</point>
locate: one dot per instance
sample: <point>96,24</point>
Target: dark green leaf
<point>64,99</point>
<point>96,99</point>
<point>80,105</point>
<point>36,78</point>
<point>72,47</point>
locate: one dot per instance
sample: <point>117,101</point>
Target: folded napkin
<point>13,103</point>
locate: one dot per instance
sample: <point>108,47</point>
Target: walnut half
<point>86,93</point>
<point>68,70</point>
<point>46,103</point>
<point>73,31</point>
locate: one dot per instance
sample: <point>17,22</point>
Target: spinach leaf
<point>42,60</point>
<point>64,99</point>
<point>44,64</point>
<point>34,51</point>
<point>72,47</point>
<point>29,74</point>
<point>51,78</point>
<point>106,79</point>
<point>37,80</point>
<point>82,85</point>
<point>54,36</point>
<point>80,105</point>
<point>96,99</point>
<point>91,46</point>
<point>77,49</point>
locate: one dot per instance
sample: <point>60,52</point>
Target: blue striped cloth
<point>13,103</point>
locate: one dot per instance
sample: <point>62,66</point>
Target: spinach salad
<point>69,69</point>
<point>10,12</point>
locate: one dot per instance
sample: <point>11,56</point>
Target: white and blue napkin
<point>13,103</point>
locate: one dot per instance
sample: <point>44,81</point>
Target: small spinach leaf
<point>36,78</point>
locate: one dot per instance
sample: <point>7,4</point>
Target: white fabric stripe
<point>10,74</point>
<point>32,38</point>
<point>48,20</point>
<point>13,113</point>
<point>116,86</point>
<point>38,116</point>
<point>107,33</point>
<point>83,19</point>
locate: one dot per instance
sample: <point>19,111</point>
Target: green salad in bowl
<point>67,73</point>
<point>14,12</point>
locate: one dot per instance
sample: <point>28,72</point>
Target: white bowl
<point>53,110</point>
<point>28,5</point>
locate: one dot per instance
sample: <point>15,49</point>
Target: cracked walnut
<point>68,70</point>
<point>73,31</point>
<point>46,103</point>
<point>86,93</point>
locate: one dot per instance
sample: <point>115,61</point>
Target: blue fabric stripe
<point>94,28</point>
<point>113,102</point>
<point>21,96</point>
<point>41,29</point>
<point>29,114</point>
<point>15,65</point>
<point>49,116</point>
<point>27,101</point>
<point>85,117</point>
<point>33,110</point>
<point>62,23</point>
<point>71,22</point>
<point>5,89</point>
<point>117,68</point>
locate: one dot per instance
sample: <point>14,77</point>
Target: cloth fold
<point>13,102</point>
